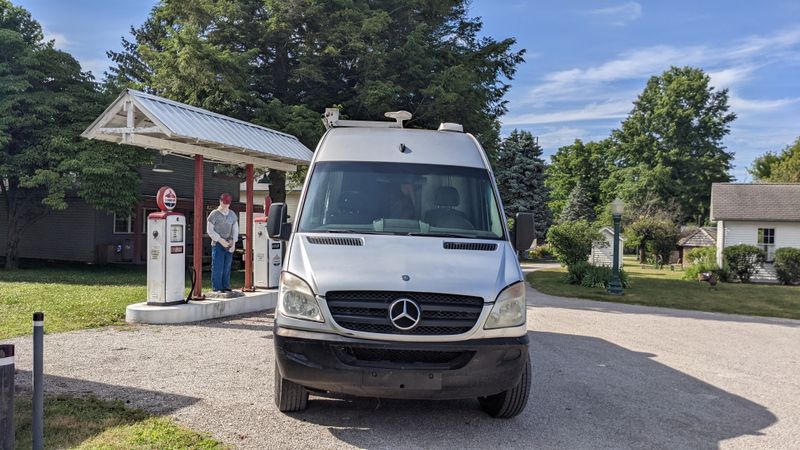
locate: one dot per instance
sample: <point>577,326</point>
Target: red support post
<point>248,249</point>
<point>199,216</point>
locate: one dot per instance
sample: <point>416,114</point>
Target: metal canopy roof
<point>149,121</point>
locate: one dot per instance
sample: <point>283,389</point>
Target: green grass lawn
<point>74,297</point>
<point>90,423</point>
<point>666,288</point>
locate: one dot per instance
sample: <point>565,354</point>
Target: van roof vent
<point>478,246</point>
<point>325,240</point>
<point>449,126</point>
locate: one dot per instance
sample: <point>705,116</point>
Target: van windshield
<point>405,199</point>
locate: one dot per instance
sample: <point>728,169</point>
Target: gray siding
<point>182,180</point>
<point>67,235</point>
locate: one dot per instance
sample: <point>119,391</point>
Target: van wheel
<point>289,396</point>
<point>509,403</point>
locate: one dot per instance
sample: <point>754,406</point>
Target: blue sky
<point>586,60</point>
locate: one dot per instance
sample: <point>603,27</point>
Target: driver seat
<point>444,215</point>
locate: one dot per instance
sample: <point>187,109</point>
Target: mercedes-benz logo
<point>404,314</point>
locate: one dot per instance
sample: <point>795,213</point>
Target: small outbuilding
<point>603,251</point>
<point>696,238</point>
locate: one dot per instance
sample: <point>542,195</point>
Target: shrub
<point>787,264</point>
<point>600,277</point>
<point>576,272</point>
<point>542,252</point>
<point>702,255</point>
<point>590,276</point>
<point>656,234</point>
<point>744,260</point>
<point>572,241</point>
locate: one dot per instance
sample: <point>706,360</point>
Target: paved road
<point>605,376</point>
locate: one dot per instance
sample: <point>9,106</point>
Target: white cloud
<point>730,76</point>
<point>619,15</point>
<point>96,66</point>
<point>593,111</point>
<point>739,104</point>
<point>61,40</point>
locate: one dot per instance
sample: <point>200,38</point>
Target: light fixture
<point>617,207</point>
<point>161,166</point>
<point>264,179</point>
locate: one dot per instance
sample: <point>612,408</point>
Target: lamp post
<point>615,287</point>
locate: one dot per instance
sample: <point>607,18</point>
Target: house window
<point>122,224</point>
<point>766,241</point>
<point>146,212</point>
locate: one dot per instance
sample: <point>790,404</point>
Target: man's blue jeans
<point>220,267</point>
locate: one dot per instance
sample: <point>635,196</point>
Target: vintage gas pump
<point>166,251</point>
<point>268,254</point>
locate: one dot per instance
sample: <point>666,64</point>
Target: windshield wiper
<point>354,231</point>
<point>448,235</point>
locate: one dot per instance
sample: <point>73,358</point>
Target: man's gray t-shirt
<point>223,224</point>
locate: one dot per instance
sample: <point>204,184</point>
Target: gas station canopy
<point>149,121</point>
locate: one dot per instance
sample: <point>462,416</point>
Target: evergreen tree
<point>579,206</point>
<point>270,61</point>
<point>585,163</point>
<point>520,177</point>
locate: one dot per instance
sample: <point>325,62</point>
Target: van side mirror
<point>524,231</point>
<point>277,225</point>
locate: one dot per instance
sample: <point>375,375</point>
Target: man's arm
<point>235,236</point>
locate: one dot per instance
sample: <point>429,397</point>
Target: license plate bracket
<point>401,379</point>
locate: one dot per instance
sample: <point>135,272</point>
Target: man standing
<point>223,228</point>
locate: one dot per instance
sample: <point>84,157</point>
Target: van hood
<point>402,263</point>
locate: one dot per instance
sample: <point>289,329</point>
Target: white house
<point>603,252</point>
<point>765,215</point>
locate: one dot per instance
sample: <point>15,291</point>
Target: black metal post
<point>38,375</point>
<point>7,397</point>
<point>615,287</point>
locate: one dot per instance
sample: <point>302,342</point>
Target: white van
<point>400,278</point>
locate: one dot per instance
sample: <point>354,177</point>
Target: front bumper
<point>407,370</point>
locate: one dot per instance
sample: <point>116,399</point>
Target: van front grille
<point>368,311</point>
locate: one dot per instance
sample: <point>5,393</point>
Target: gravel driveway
<point>605,376</point>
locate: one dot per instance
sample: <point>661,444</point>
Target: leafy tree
<point>520,178</point>
<point>783,167</point>
<point>579,205</point>
<point>654,234</point>
<point>240,57</point>
<point>572,241</point>
<point>670,145</point>
<point>586,164</point>
<point>45,103</point>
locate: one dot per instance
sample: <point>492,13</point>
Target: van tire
<point>289,396</point>
<point>509,403</point>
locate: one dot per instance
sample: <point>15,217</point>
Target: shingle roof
<point>758,201</point>
<point>699,237</point>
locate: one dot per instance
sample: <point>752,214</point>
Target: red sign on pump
<point>267,204</point>
<point>166,199</point>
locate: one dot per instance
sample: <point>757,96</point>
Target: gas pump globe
<point>166,251</point>
<point>268,253</point>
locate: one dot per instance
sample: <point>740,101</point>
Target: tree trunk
<point>13,236</point>
<point>642,255</point>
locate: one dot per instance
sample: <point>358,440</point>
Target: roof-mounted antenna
<point>331,120</point>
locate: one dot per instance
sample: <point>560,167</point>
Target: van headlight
<point>509,308</point>
<point>297,300</point>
